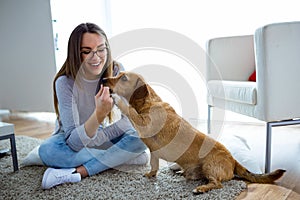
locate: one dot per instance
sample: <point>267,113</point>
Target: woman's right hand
<point>104,103</point>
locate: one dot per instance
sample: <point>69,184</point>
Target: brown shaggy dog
<point>170,137</point>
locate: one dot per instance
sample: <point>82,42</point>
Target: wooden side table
<point>7,132</point>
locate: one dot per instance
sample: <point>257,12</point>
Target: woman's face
<point>93,55</point>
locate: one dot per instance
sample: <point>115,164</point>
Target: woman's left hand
<point>104,103</point>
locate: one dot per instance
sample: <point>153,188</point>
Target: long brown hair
<point>73,62</point>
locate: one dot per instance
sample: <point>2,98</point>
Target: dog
<point>169,137</point>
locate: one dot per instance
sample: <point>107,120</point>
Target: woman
<point>88,138</point>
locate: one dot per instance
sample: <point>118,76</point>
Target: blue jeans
<point>54,152</point>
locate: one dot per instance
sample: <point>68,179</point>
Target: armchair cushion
<point>237,91</point>
<point>252,77</point>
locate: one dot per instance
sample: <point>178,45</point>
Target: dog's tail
<point>257,178</point>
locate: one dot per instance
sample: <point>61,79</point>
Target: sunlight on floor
<point>39,116</point>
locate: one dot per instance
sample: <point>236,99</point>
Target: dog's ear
<point>140,92</point>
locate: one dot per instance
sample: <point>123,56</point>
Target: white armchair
<point>274,52</point>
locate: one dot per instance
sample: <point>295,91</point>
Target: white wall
<point>201,19</point>
<point>28,63</point>
<point>198,20</point>
<point>27,55</point>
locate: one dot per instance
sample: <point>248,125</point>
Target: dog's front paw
<point>121,103</point>
<point>116,98</point>
<point>151,174</point>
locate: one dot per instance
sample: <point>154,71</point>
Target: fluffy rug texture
<point>124,182</point>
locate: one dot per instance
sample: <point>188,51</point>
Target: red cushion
<point>252,77</point>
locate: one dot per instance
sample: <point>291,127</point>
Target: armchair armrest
<point>230,58</point>
<point>277,52</point>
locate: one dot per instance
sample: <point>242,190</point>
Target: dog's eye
<point>124,78</point>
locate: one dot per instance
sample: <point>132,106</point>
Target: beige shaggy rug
<point>126,182</point>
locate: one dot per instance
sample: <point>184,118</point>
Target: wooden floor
<point>285,151</point>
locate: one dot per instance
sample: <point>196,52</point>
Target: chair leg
<point>268,148</point>
<point>269,142</point>
<point>208,119</point>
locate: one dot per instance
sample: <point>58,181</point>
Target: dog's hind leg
<point>215,169</point>
<point>213,183</point>
<point>193,173</point>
